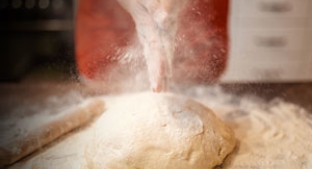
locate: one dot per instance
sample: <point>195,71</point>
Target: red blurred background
<point>103,27</point>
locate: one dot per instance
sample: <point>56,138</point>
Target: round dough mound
<point>159,131</point>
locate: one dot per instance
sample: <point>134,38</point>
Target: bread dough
<point>158,131</point>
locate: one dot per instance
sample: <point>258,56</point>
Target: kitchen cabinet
<point>270,41</point>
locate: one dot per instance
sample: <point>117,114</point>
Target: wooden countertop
<point>297,93</point>
<point>14,95</point>
<point>31,96</point>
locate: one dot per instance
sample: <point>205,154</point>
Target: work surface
<point>257,98</point>
<point>22,93</point>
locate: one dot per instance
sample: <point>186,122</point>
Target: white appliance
<point>270,41</point>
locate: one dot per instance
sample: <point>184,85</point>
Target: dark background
<point>36,36</point>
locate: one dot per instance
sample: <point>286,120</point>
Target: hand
<point>156,26</point>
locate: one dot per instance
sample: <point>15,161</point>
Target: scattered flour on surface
<point>30,117</point>
<point>273,135</point>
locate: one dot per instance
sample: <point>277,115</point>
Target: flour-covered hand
<point>156,26</point>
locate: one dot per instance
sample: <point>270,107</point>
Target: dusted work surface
<point>297,93</point>
<point>33,116</point>
<point>36,93</point>
<point>271,132</point>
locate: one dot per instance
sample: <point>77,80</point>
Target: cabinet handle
<point>271,41</point>
<point>275,7</point>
